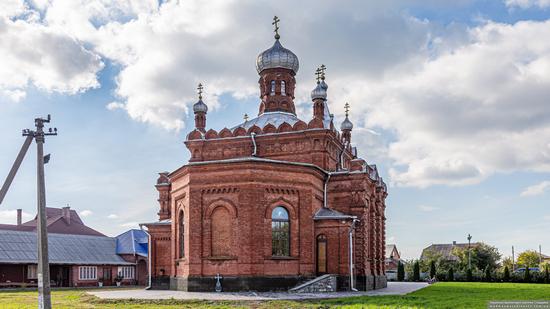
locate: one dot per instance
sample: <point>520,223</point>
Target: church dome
<point>346,125</point>
<point>277,57</point>
<point>200,106</point>
<point>319,92</point>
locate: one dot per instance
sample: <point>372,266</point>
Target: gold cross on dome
<point>322,69</point>
<point>199,88</point>
<point>346,108</point>
<point>318,73</point>
<point>245,117</point>
<point>275,22</point>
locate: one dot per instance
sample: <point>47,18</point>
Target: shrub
<point>400,272</point>
<point>506,274</point>
<point>487,273</point>
<point>433,271</point>
<point>450,275</point>
<point>469,276</point>
<point>546,274</point>
<point>527,275</point>
<point>416,271</point>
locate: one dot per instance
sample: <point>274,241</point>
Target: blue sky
<point>449,99</point>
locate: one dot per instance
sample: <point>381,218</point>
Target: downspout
<point>148,287</point>
<point>351,264</point>
<point>252,135</point>
<point>325,202</point>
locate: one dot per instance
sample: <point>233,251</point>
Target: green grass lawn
<point>439,295</point>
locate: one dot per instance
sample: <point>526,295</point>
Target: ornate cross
<point>322,69</point>
<point>245,117</point>
<point>199,88</point>
<point>318,73</point>
<point>346,108</point>
<point>275,22</point>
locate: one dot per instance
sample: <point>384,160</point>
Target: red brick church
<point>271,202</point>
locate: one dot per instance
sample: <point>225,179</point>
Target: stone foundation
<point>322,284</point>
<point>236,284</point>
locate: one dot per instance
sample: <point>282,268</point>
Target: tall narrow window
<point>221,232</point>
<point>283,88</point>
<point>272,87</point>
<point>280,232</point>
<point>181,235</point>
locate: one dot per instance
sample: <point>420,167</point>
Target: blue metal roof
<point>132,242</point>
<point>20,247</point>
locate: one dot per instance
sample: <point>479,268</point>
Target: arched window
<point>280,232</point>
<point>272,87</point>
<point>221,232</point>
<point>283,88</point>
<point>181,235</point>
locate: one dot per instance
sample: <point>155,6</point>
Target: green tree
<point>506,274</point>
<point>481,255</point>
<point>527,275</point>
<point>433,271</point>
<point>529,258</point>
<point>546,274</point>
<point>507,262</point>
<point>450,274</point>
<point>487,274</point>
<point>416,271</point>
<point>400,272</point>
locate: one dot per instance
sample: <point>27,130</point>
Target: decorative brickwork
<point>236,177</point>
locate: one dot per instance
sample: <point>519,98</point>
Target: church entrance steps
<point>323,284</point>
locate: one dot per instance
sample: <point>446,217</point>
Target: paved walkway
<point>394,288</point>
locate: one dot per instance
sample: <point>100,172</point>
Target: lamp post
<point>469,261</point>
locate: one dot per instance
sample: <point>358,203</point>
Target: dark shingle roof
<point>20,247</point>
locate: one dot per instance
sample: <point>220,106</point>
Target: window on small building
<point>272,87</point>
<point>87,273</point>
<point>283,88</point>
<point>181,235</point>
<point>32,271</point>
<point>127,272</point>
<point>280,232</point>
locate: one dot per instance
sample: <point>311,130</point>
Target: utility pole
<point>469,261</point>
<point>513,260</point>
<point>44,296</point>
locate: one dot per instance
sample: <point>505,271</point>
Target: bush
<point>450,275</point>
<point>488,273</point>
<point>506,274</point>
<point>546,274</point>
<point>469,275</point>
<point>400,272</point>
<point>527,275</point>
<point>433,271</point>
<point>416,271</point>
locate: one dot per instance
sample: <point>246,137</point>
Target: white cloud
<point>130,224</point>
<point>537,189</point>
<point>86,213</point>
<point>427,208</point>
<point>10,216</point>
<point>115,105</point>
<point>112,216</point>
<point>525,4</point>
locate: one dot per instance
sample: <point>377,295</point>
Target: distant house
<point>392,257</point>
<point>132,246</point>
<point>59,220</point>
<point>444,250</point>
<point>78,254</point>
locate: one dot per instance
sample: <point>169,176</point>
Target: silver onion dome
<point>323,84</point>
<point>346,125</point>
<point>200,106</point>
<point>277,57</point>
<point>319,92</point>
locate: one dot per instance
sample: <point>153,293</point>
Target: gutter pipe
<point>148,287</point>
